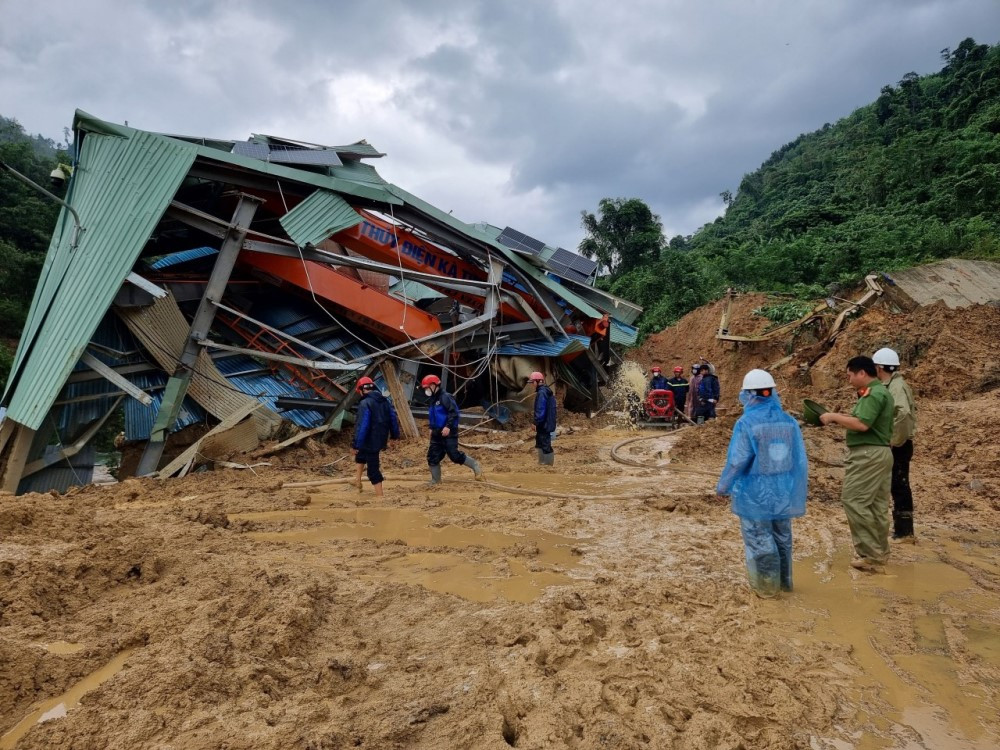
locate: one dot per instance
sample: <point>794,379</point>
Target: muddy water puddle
<point>923,635</point>
<point>62,648</point>
<point>58,707</point>
<point>505,574</point>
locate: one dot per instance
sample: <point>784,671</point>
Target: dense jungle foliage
<point>910,178</point>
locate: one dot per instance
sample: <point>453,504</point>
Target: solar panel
<point>287,154</point>
<point>253,150</point>
<point>516,240</point>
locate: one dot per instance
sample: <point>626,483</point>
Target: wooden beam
<point>407,424</point>
<point>17,457</point>
<point>189,454</point>
<point>109,374</point>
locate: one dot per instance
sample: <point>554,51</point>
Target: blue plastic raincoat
<point>766,472</point>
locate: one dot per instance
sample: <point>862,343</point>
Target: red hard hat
<point>363,382</point>
<point>536,376</point>
<point>678,369</point>
<point>430,380</point>
<point>656,369</point>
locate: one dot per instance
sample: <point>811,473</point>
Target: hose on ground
<point>615,455</point>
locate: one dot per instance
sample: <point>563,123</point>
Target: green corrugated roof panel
<point>317,217</point>
<point>358,171</point>
<point>414,290</point>
<point>123,183</point>
<point>623,335</point>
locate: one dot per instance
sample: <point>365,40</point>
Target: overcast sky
<point>519,113</point>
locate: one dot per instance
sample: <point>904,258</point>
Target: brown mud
<point>224,610</point>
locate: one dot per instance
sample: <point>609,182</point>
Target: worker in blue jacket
<point>658,382</point>
<point>707,395</point>
<point>545,419</point>
<point>766,475</point>
<point>375,424</point>
<point>442,415</point>
<point>678,385</point>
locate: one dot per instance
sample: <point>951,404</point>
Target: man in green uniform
<point>865,494</point>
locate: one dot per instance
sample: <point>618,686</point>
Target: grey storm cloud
<point>522,113</point>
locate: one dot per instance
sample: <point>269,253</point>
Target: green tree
<point>625,235</point>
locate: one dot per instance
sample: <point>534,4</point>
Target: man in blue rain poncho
<point>766,475</point>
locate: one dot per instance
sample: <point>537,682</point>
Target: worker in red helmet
<point>375,424</point>
<point>657,382</point>
<point>678,385</point>
<point>442,415</point>
<point>545,419</point>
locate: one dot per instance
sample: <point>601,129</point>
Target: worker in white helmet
<point>904,427</point>
<point>766,475</point>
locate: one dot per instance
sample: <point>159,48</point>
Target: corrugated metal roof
<point>266,388</point>
<point>77,470</point>
<point>317,217</point>
<point>120,189</point>
<point>175,259</point>
<point>542,348</point>
<point>622,334</point>
<point>139,418</point>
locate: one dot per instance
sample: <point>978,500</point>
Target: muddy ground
<point>593,605</point>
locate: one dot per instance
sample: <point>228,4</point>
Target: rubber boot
<point>435,475</point>
<point>548,459</point>
<point>474,465</point>
<point>538,452</point>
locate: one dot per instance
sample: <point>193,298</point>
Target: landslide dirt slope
<point>611,613</point>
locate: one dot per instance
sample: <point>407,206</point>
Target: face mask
<point>428,392</point>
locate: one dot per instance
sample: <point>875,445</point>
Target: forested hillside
<point>26,222</point>
<point>912,177</point>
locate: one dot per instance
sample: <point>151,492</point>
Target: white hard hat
<point>757,379</point>
<point>886,357</point>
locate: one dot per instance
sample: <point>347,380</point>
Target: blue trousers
<point>768,547</point>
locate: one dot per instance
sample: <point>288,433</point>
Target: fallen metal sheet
<point>162,329</point>
<point>241,438</point>
<point>956,282</point>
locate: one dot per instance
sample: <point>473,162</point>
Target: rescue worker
<point>766,475</point>
<point>695,381</point>
<point>545,419</point>
<point>679,387</point>
<point>904,426</point>
<point>600,339</point>
<point>658,382</point>
<point>442,415</point>
<point>375,424</point>
<point>865,494</point>
<point>707,395</point>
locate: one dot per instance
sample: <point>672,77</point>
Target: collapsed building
<point>246,285</point>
